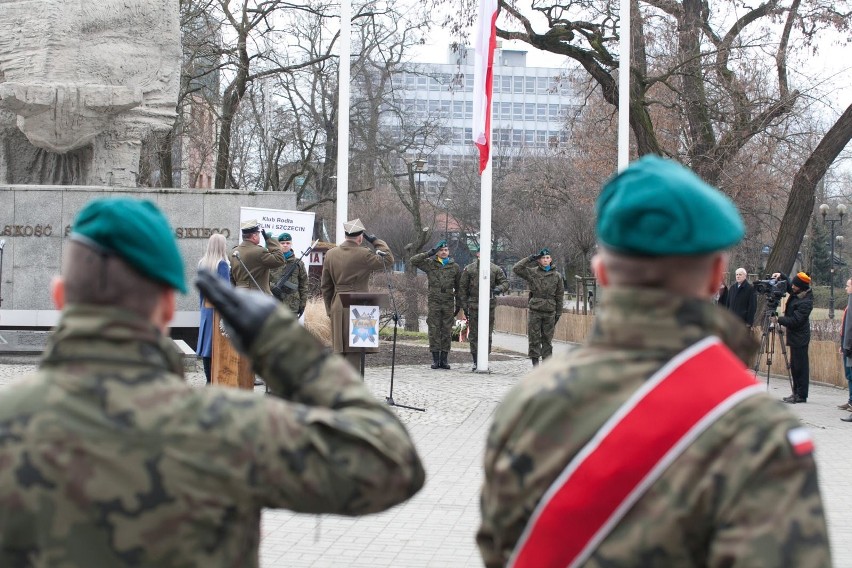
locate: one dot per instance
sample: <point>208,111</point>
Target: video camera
<point>773,288</point>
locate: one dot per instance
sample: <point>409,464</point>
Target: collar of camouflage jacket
<point>660,320</point>
<point>110,335</point>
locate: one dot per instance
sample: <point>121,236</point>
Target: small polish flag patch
<point>801,441</point>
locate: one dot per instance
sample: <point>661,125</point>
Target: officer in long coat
<point>652,444</point>
<point>295,289</point>
<point>111,458</point>
<point>259,260</point>
<point>444,277</point>
<point>498,283</point>
<point>545,302</point>
<point>347,268</point>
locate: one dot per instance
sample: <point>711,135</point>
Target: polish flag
<point>483,47</point>
<point>801,441</point>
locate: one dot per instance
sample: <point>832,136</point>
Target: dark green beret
<point>285,237</point>
<point>657,207</point>
<point>544,252</point>
<point>137,232</point>
<point>441,244</point>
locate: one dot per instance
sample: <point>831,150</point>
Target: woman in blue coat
<point>215,260</point>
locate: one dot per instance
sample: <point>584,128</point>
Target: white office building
<point>530,107</point>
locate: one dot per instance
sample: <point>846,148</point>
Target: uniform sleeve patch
<point>801,441</point>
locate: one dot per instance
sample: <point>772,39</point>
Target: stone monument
<point>81,84</point>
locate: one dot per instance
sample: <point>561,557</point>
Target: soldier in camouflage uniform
<point>296,291</point>
<point>109,458</point>
<point>740,491</point>
<point>545,304</point>
<point>470,300</point>
<point>444,277</point>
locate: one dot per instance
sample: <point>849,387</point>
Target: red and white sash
<point>630,452</point>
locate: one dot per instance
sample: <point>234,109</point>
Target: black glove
<point>534,257</point>
<point>432,252</point>
<point>497,290</point>
<point>370,238</point>
<point>266,236</point>
<point>244,312</point>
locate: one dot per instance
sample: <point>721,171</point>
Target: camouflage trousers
<point>473,324</point>
<point>440,320</point>
<point>540,328</point>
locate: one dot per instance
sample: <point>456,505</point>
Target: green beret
<point>285,237</point>
<point>137,232</point>
<point>656,207</point>
<point>544,252</point>
<point>441,244</point>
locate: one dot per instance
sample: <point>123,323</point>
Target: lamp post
<point>420,167</point>
<point>841,211</point>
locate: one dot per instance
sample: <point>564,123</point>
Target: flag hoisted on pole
<point>484,45</point>
<point>485,41</point>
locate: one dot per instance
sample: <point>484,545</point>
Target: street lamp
<point>420,167</point>
<point>841,211</point>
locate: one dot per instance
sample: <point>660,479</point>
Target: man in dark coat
<point>741,298</point>
<point>295,291</point>
<point>796,319</point>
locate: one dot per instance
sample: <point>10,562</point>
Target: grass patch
<point>387,334</point>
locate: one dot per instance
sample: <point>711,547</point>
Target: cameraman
<point>796,319</point>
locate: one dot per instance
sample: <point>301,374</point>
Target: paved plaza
<point>436,528</point>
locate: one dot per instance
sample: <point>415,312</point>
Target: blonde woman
<point>214,260</point>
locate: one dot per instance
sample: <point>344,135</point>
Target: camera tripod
<point>767,347</point>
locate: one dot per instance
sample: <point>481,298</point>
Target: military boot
<point>444,364</point>
<point>474,361</point>
<point>436,359</point>
<point>534,361</point>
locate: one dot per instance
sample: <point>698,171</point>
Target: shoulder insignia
<point>801,442</point>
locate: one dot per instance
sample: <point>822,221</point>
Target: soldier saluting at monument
<point>250,262</point>
<point>110,458</point>
<point>347,268</point>
<point>444,277</point>
<point>545,302</point>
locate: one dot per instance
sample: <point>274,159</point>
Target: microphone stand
<point>389,398</point>
<point>236,254</point>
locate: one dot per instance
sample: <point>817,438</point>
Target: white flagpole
<point>342,209</point>
<point>485,285</point>
<point>624,87</point>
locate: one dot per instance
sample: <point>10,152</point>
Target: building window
<point>495,82</point>
<point>458,110</point>
<point>518,85</point>
<point>529,111</point>
<point>468,110</point>
<point>506,111</point>
<point>468,135</point>
<point>529,137</point>
<point>445,109</point>
<point>541,112</point>
<point>530,85</point>
<point>423,83</point>
<point>518,113</point>
<point>517,137</point>
<point>543,85</point>
<point>553,112</point>
<point>506,81</point>
<point>468,82</point>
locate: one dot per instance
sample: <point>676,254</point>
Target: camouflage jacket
<point>109,458</point>
<point>296,299</point>
<point>444,279</point>
<point>546,287</point>
<point>470,285</point>
<point>738,496</point>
